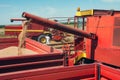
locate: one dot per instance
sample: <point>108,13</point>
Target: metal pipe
<point>17,19</point>
<point>56,25</point>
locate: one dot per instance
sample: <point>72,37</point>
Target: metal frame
<point>39,47</point>
<point>109,73</point>
<point>63,73</point>
<point>94,71</point>
<point>6,42</point>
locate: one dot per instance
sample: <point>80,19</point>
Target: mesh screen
<point>117,21</point>
<point>116,37</point>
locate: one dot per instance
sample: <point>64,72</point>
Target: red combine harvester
<point>102,44</point>
<point>39,32</point>
<point>35,31</point>
<point>105,26</point>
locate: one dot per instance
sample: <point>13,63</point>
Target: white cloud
<point>111,0</point>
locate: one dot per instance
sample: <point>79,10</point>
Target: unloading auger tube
<point>17,19</point>
<point>56,25</point>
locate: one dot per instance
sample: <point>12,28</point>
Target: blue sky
<point>50,8</point>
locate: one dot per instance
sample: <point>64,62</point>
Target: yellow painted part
<point>43,40</point>
<point>74,61</point>
<point>84,13</point>
<point>78,13</point>
<point>18,30</point>
<point>46,32</point>
<point>83,54</point>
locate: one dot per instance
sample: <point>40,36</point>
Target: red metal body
<point>33,30</point>
<point>105,46</point>
<point>29,44</point>
<point>57,72</point>
<point>6,42</point>
<point>40,48</point>
<point>47,64</point>
<point>107,28</point>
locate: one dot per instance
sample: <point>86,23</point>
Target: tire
<point>42,39</point>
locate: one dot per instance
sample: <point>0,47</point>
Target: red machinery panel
<point>54,72</point>
<point>107,28</point>
<point>6,42</point>
<point>33,29</point>
<point>13,30</point>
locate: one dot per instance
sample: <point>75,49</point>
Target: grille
<point>117,21</point>
<point>116,37</point>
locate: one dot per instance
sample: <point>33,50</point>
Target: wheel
<point>42,39</point>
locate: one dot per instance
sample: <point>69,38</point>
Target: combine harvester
<point>101,62</point>
<point>35,32</point>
